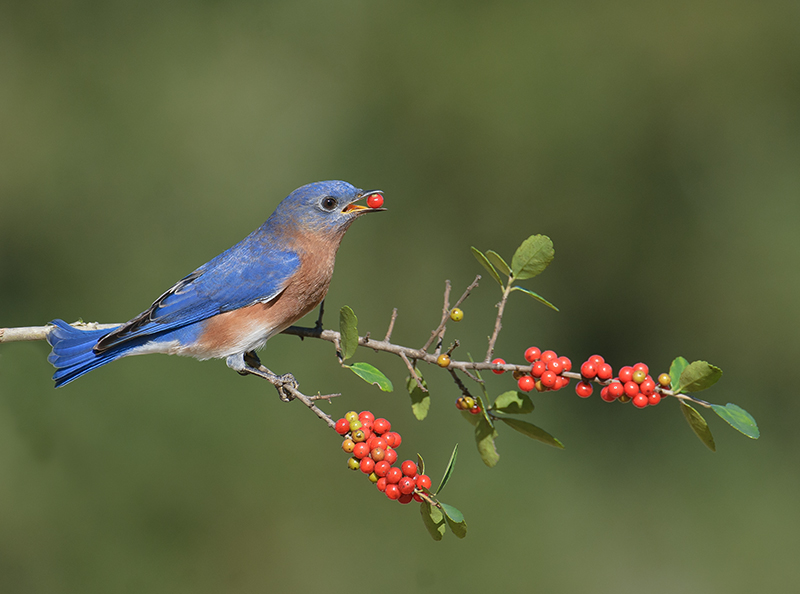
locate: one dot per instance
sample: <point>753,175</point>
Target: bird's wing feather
<point>243,275</point>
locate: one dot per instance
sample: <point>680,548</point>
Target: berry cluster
<point>632,384</point>
<point>468,403</point>
<point>372,444</point>
<point>546,371</point>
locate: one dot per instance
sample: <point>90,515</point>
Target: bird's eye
<point>328,203</point>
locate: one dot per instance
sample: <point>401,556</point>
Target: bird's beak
<point>359,209</point>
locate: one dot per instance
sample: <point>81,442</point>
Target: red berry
<point>561,382</point>
<point>392,491</point>
<point>367,465</point>
<point>548,379</point>
<point>390,456</point>
<point>361,450</point>
<point>394,475</point>
<point>640,401</point>
<point>424,481</point>
<point>647,387</point>
<point>604,372</point>
<point>532,354</point>
<point>583,389</point>
<point>525,383</point>
<point>631,389</point>
<point>538,368</point>
<point>377,454</point>
<point>406,498</point>
<point>382,467</point>
<point>566,363</point>
<point>606,394</point>
<point>555,366</point>
<point>588,370</point>
<point>616,389</point>
<point>596,360</point>
<point>418,498</point>
<point>365,416</point>
<point>665,380</point>
<point>641,366</point>
<point>381,426</point>
<point>392,438</point>
<point>381,484</point>
<point>409,468</point>
<point>625,374</point>
<point>379,442</point>
<point>375,201</point>
<point>547,356</point>
<point>654,398</point>
<point>342,426</point>
<point>406,485</point>
<point>475,409</point>
<point>498,361</point>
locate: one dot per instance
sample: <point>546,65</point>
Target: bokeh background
<point>657,144</point>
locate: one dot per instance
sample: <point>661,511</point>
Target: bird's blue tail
<point>72,354</point>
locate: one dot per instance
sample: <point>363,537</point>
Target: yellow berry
<point>443,360</point>
<point>348,445</point>
<point>665,380</point>
<point>456,314</point>
<point>351,416</point>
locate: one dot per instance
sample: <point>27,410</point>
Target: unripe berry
<point>409,468</point>
<point>538,368</point>
<point>353,464</point>
<point>605,372</point>
<point>665,380</point>
<point>631,389</point>
<point>498,361</point>
<point>394,475</point>
<point>588,370</point>
<point>367,465</point>
<point>625,374</point>
<point>547,356</point>
<point>525,383</point>
<point>361,450</point>
<point>342,426</point>
<point>532,354</point>
<point>381,426</point>
<point>351,416</point>
<point>356,425</point>
<point>456,314</point>
<point>443,360</point>
<point>654,398</point>
<point>583,389</point>
<point>392,491</point>
<point>423,481</point>
<point>373,478</point>
<point>639,375</point>
<point>377,454</point>
<point>548,379</point>
<point>640,401</point>
<point>348,445</point>
<point>624,398</point>
<point>539,386</point>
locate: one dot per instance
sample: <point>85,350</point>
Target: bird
<point>231,305</point>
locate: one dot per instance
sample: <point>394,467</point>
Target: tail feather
<point>72,354</point>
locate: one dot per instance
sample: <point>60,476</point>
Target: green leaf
<point>470,418</point>
<point>434,521</point>
<point>448,470</point>
<point>536,296</point>
<point>738,418</point>
<point>698,425</point>
<point>455,519</point>
<point>485,435</point>
<point>420,401</point>
<point>498,262</point>
<point>486,264</point>
<point>420,464</point>
<point>348,331</point>
<point>515,403</point>
<point>371,375</point>
<point>675,371</point>
<point>533,431</point>
<point>699,375</point>
<point>532,257</point>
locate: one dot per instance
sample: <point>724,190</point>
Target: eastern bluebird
<point>233,304</point>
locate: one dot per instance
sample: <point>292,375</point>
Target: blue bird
<point>231,305</point>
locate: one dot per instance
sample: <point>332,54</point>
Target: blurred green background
<point>657,144</point>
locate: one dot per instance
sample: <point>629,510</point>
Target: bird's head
<point>327,207</point>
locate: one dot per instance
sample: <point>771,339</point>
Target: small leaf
<point>434,521</point>
<point>675,371</point>
<point>371,375</point>
<point>486,264</point>
<point>698,425</point>
<point>448,470</point>
<point>498,262</point>
<point>699,375</point>
<point>738,418</point>
<point>420,401</point>
<point>532,257</point>
<point>536,296</point>
<point>348,330</point>
<point>485,435</point>
<point>534,432</point>
<point>470,418</point>
<point>515,403</point>
<point>420,464</point>
<point>455,519</point>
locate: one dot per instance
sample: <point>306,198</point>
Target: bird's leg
<point>318,325</point>
<point>250,364</point>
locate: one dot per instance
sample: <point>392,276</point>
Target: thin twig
<point>439,332</point>
<point>498,322</point>
<point>391,326</point>
<point>413,372</point>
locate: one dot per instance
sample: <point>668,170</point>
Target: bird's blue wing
<point>248,273</point>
